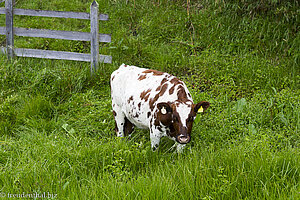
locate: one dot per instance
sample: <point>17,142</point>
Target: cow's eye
<point>191,118</point>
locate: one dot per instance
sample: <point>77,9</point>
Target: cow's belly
<point>138,124</point>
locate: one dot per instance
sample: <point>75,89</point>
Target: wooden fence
<point>94,37</point>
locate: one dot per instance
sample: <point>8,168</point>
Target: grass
<point>56,125</point>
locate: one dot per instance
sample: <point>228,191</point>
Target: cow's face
<point>178,118</point>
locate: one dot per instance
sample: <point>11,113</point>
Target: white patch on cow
<point>183,111</point>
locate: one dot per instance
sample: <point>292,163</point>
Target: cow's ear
<point>164,108</point>
<point>201,107</point>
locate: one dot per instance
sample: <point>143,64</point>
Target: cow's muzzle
<point>183,139</point>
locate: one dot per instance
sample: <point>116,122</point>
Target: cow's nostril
<point>183,139</point>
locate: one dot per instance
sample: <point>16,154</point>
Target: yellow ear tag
<point>200,110</point>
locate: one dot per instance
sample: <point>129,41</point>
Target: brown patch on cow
<point>163,81</point>
<point>148,114</point>
<point>175,81</point>
<point>159,94</point>
<point>142,77</point>
<point>171,90</point>
<point>145,94</point>
<point>147,97</point>
<point>113,77</point>
<point>181,94</point>
<point>114,113</point>
<point>155,72</point>
<point>130,99</point>
<point>139,105</point>
<point>158,88</point>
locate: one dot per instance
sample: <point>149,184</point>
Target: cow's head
<point>178,117</point>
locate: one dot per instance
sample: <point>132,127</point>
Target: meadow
<point>57,134</point>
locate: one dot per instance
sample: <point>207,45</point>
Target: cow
<point>154,100</point>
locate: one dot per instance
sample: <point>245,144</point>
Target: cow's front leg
<point>155,136</point>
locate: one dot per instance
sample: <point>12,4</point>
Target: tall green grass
<point>57,129</point>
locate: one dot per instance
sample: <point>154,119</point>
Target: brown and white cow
<point>154,100</point>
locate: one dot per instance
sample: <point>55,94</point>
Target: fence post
<point>9,28</point>
<point>94,36</point>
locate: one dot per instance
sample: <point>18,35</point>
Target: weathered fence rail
<point>94,37</point>
<point>50,13</point>
<point>64,35</point>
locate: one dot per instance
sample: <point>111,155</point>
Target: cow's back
<point>122,82</point>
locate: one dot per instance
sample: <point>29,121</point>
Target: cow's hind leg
<point>123,126</point>
<point>119,121</point>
